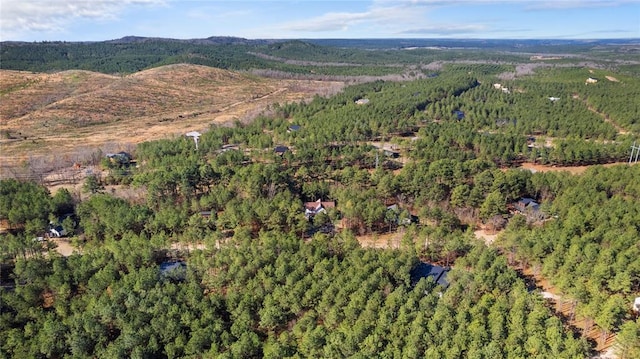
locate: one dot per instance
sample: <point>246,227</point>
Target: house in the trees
<point>55,227</point>
<point>636,305</point>
<point>459,114</point>
<point>121,158</point>
<point>280,150</point>
<point>426,270</point>
<point>391,153</point>
<point>293,128</point>
<point>529,208</point>
<point>394,210</point>
<point>229,147</point>
<point>591,80</point>
<point>173,270</point>
<point>362,101</point>
<point>525,204</point>
<point>57,231</point>
<point>313,208</point>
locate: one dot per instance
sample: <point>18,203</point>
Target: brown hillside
<point>41,114</point>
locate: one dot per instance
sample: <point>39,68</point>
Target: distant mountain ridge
<point>212,40</point>
<point>135,53</point>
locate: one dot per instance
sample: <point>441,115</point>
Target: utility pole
<point>196,135</point>
<point>634,150</point>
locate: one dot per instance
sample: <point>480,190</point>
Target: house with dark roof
<point>280,150</point>
<point>529,208</point>
<point>526,204</point>
<point>120,157</point>
<point>425,270</point>
<point>57,231</point>
<point>319,206</point>
<point>459,114</point>
<point>293,128</point>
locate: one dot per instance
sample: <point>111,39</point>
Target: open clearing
<point>575,170</point>
<point>70,114</point>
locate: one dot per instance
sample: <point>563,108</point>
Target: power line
<point>635,153</point>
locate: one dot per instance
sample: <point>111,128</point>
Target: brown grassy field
<point>67,113</point>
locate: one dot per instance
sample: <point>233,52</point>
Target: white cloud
<point>329,22</point>
<point>446,29</point>
<point>575,4</point>
<point>380,13</point>
<point>24,16</point>
<point>530,4</point>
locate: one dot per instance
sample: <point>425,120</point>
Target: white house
<point>313,208</point>
<point>636,304</point>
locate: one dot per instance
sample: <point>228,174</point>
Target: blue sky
<point>82,20</point>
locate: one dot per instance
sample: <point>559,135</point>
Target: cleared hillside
<point>64,111</point>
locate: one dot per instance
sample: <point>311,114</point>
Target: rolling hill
<point>66,110</point>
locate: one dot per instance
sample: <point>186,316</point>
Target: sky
<point>98,20</point>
